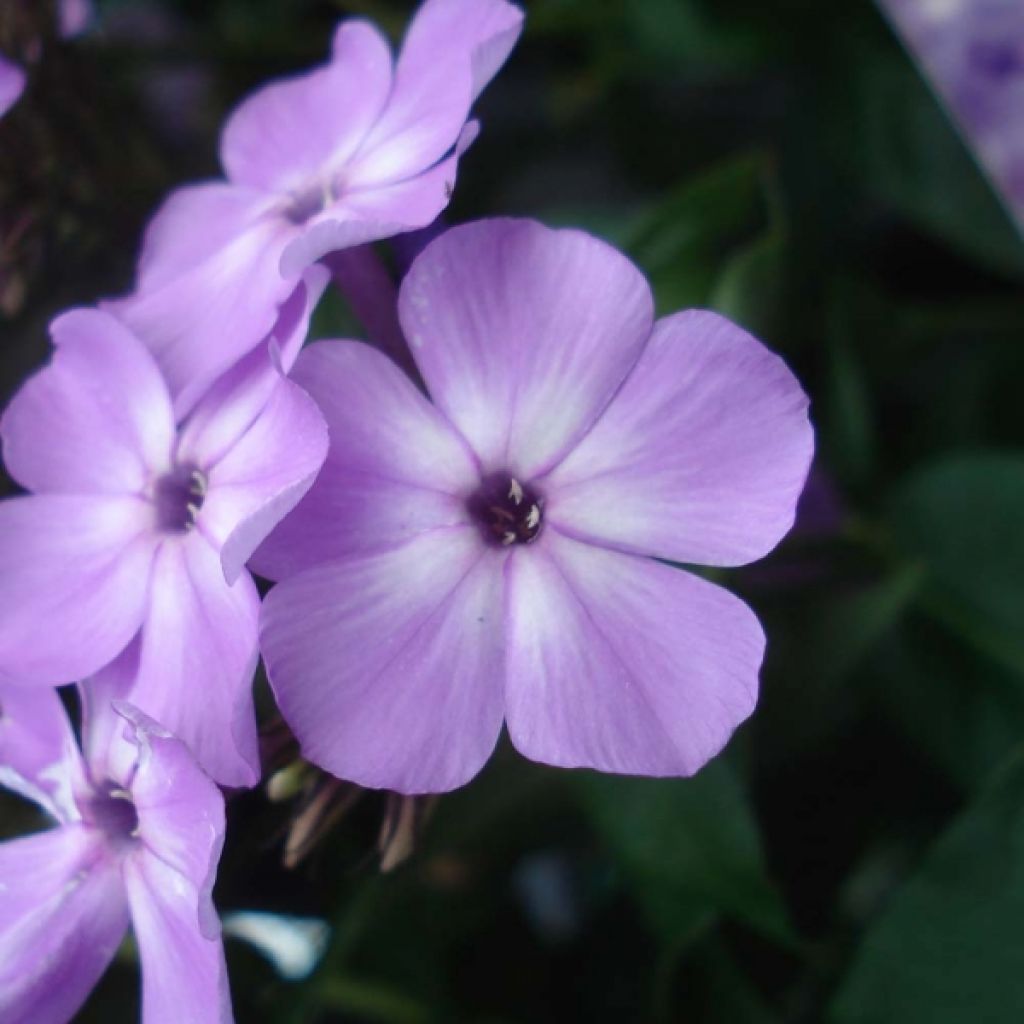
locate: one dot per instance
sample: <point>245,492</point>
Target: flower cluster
<point>483,540</point>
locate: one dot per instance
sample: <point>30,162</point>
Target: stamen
<point>178,497</point>
<point>111,809</point>
<point>507,511</point>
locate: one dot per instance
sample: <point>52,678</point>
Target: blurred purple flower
<point>73,17</point>
<point>135,539</point>
<point>138,837</point>
<point>353,151</point>
<point>491,556</point>
<point>973,52</point>
<point>12,84</point>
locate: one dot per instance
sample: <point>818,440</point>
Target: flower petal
<point>39,756</point>
<point>377,212</point>
<point>452,50</point>
<point>62,916</point>
<point>205,297</point>
<point>395,467</point>
<point>523,334</point>
<point>621,663</point>
<point>237,398</point>
<point>73,568</point>
<point>12,84</point>
<point>289,133</point>
<point>97,419</point>
<point>181,811</point>
<point>388,667</point>
<point>701,456</point>
<point>196,660</point>
<point>184,976</point>
<point>262,478</point>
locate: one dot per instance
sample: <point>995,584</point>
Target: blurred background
<point>857,854</point>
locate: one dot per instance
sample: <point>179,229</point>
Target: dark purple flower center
<point>507,511</point>
<point>307,203</point>
<point>178,497</point>
<point>110,809</point>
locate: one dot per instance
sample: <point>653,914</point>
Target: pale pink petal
<point>701,456</point>
<point>262,478</point>
<point>291,135</point>
<point>388,667</point>
<point>74,572</point>
<point>39,755</point>
<point>452,50</point>
<point>184,976</point>
<point>523,334</point>
<point>180,809</point>
<point>621,663</point>
<point>196,660</point>
<point>394,467</point>
<point>237,398</point>
<point>62,916</point>
<point>97,419</point>
<point>372,212</point>
<point>336,227</point>
<point>107,750</point>
<point>204,298</point>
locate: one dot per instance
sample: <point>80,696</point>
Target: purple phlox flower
<point>356,150</point>
<point>973,53</point>
<point>12,84</point>
<point>139,830</point>
<point>128,557</point>
<point>490,555</point>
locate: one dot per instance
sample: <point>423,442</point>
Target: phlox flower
<point>137,837</point>
<point>489,554</point>
<point>359,149</point>
<point>133,544</point>
<point>12,84</point>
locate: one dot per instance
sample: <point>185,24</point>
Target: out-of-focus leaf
<point>950,947</point>
<point>961,709</point>
<point>818,641</point>
<point>847,416</point>
<point>688,32</point>
<point>689,848</point>
<point>714,989</point>
<point>749,290</point>
<point>913,158</point>
<point>963,517</point>
<point>684,242</point>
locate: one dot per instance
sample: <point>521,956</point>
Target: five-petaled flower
<point>138,835</point>
<point>133,545</point>
<point>360,149</point>
<point>492,555</point>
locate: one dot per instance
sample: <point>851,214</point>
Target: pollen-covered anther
<point>506,511</point>
<point>178,497</point>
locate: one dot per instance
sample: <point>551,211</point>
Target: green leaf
<point>913,158</point>
<point>950,947</point>
<point>750,288</point>
<point>960,708</point>
<point>689,848</point>
<point>685,241</point>
<point>848,414</point>
<point>819,640</point>
<point>964,517</point>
